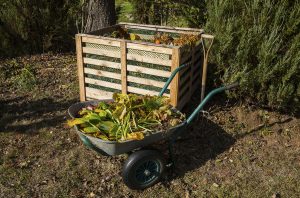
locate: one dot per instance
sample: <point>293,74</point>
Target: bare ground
<point>235,150</point>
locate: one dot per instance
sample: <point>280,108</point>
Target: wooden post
<point>174,84</point>
<point>80,68</point>
<point>123,66</point>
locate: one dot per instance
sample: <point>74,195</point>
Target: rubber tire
<point>134,161</point>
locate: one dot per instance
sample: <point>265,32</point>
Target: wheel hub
<point>147,172</point>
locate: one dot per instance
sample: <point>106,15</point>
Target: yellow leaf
<point>75,121</point>
<point>134,37</point>
<point>135,136</point>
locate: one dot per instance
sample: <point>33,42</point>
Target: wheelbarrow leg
<point>171,160</point>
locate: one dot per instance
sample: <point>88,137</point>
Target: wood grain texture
<point>100,41</point>
<point>80,68</point>
<point>106,74</point>
<point>162,28</point>
<point>98,94</point>
<point>145,81</point>
<point>146,59</point>
<point>124,67</point>
<point>154,72</point>
<point>157,49</point>
<point>143,91</point>
<point>102,83</point>
<point>102,63</point>
<point>174,84</point>
<point>102,52</point>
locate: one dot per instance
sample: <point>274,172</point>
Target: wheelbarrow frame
<point>140,158</point>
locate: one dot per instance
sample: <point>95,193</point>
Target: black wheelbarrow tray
<point>144,167</point>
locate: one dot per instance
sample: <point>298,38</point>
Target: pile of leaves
<point>158,38</point>
<point>129,117</point>
<point>183,39</point>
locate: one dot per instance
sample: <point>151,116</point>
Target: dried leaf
<point>135,136</point>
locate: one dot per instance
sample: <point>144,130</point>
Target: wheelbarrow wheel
<point>143,169</point>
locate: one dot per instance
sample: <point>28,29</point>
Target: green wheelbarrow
<point>143,167</point>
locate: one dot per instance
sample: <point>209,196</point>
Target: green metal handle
<point>171,78</point>
<point>207,98</point>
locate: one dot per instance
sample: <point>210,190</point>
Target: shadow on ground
<point>201,141</point>
<point>23,116</point>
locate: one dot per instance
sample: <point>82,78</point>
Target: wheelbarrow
<point>143,167</point>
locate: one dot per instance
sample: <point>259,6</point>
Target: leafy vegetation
<point>128,117</point>
<point>258,42</point>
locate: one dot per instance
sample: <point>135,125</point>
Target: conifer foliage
<point>258,43</point>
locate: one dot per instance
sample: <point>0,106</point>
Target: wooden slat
<point>102,52</point>
<point>163,30</point>
<point>149,71</point>
<point>157,49</point>
<point>185,56</point>
<point>197,66</point>
<point>124,67</point>
<point>98,94</point>
<point>80,68</point>
<point>174,84</point>
<point>198,60</point>
<point>100,41</point>
<point>102,83</point>
<point>91,99</point>
<point>197,75</point>
<point>191,73</point>
<point>102,73</point>
<point>196,83</point>
<point>149,60</point>
<point>183,90</point>
<point>102,63</point>
<point>145,81</point>
<point>183,80</point>
<point>160,28</point>
<point>183,73</point>
<point>143,91</point>
<point>184,70</point>
<point>183,101</point>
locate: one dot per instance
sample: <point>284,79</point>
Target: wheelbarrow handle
<point>205,100</point>
<point>173,74</point>
<point>208,97</point>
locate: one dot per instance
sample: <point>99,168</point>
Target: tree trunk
<point>101,13</point>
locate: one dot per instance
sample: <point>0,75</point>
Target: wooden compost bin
<point>107,65</point>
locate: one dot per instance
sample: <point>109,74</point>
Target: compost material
<point>128,117</point>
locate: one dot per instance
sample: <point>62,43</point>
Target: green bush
<point>258,43</point>
<point>25,80</point>
<point>36,26</point>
